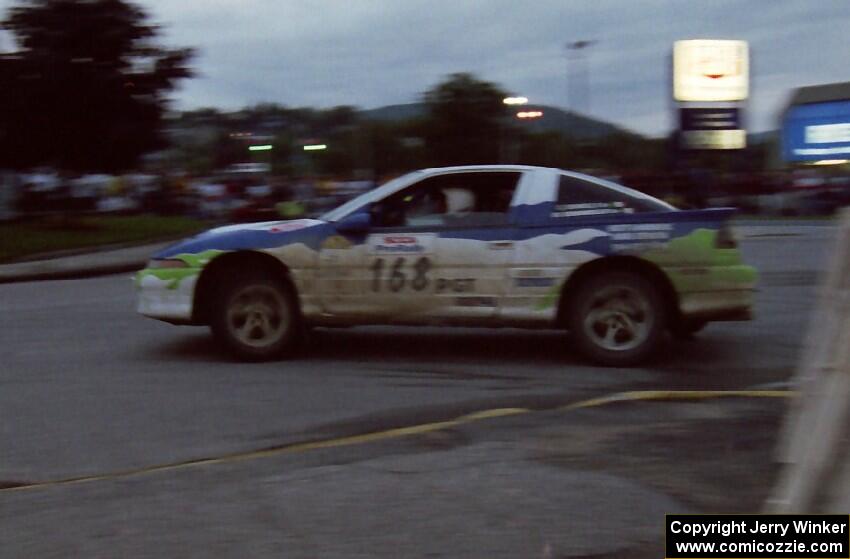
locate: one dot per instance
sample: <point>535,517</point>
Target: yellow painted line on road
<point>289,449</point>
<point>676,395</point>
<point>399,432</point>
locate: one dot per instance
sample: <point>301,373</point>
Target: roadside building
<point>816,126</point>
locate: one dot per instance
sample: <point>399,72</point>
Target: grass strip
<point>24,239</point>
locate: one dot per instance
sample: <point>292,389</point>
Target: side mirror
<point>355,223</point>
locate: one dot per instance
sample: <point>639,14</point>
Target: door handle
<point>501,245</point>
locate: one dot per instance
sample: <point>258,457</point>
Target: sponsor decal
<point>590,208</point>
<point>400,248</point>
<point>337,242</point>
<point>534,282</point>
<point>455,285</point>
<point>639,236</point>
<point>290,226</point>
<point>475,301</point>
<point>400,244</point>
<point>400,240</point>
<point>267,226</point>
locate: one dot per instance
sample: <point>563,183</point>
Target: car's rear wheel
<point>686,328</point>
<point>617,318</point>
<point>256,317</point>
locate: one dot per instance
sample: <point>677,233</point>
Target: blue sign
<point>816,132</point>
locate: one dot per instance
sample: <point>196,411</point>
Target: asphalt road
<point>87,387</point>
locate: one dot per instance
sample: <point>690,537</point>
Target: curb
<point>96,249</point>
<point>77,273</point>
<point>84,265</point>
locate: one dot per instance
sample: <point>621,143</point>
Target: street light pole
<point>578,82</point>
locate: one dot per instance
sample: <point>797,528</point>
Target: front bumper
<point>167,294</point>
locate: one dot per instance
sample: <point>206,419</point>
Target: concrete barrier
<point>814,447</point>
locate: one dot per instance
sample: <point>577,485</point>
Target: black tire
<point>256,317</point>
<point>617,319</point>
<point>686,328</point>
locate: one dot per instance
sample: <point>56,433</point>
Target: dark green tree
<point>86,89</point>
<point>464,121</point>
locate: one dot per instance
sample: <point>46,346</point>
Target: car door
<point>437,249</point>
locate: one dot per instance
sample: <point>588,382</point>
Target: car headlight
<point>159,263</point>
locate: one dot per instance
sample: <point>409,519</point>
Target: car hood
<point>252,236</point>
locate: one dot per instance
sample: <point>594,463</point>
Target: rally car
<point>500,245</point>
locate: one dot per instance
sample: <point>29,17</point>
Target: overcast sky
<point>370,53</point>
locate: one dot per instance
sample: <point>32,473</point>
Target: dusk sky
<point>370,53</point>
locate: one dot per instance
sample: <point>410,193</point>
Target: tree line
<point>86,90</point>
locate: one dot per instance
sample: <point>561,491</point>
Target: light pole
<point>577,83</point>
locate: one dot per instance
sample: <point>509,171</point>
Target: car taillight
<point>725,237</point>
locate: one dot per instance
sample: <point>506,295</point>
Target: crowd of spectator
<point>252,196</point>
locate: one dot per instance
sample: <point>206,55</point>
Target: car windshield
<point>338,213</point>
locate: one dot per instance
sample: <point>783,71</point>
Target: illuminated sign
<point>817,131</point>
<point>710,70</point>
<point>711,128</point>
<point>710,119</point>
<point>828,133</point>
<point>714,139</point>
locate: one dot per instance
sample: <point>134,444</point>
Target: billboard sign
<point>711,70</point>
<point>713,139</point>
<point>727,118</point>
<point>817,132</point>
<point>709,128</point>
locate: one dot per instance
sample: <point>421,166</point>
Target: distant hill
<point>553,119</point>
<point>392,113</point>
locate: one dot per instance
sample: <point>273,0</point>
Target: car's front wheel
<point>256,317</point>
<point>617,318</point>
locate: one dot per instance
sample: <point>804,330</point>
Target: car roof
<point>461,168</point>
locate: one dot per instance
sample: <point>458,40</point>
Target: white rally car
<point>474,246</point>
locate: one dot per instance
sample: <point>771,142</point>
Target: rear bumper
<point>717,305</point>
<point>716,293</point>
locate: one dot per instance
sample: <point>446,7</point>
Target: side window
<point>580,197</point>
<point>454,200</point>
